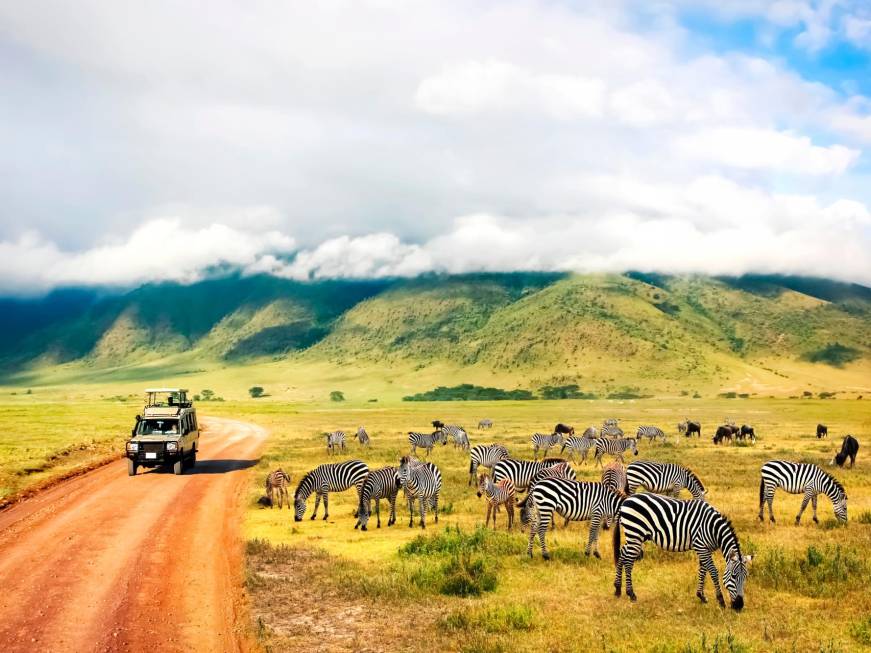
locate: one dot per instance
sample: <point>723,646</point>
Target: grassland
<point>325,585</point>
<point>807,590</point>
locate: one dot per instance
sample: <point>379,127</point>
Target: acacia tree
<point>337,395</point>
<point>255,391</point>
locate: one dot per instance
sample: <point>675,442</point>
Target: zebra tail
<point>616,540</point>
<point>761,491</point>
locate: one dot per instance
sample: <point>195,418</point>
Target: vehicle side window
<point>193,422</point>
<point>186,425</point>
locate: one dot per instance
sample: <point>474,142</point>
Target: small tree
<point>255,392</point>
<point>208,395</point>
<point>337,395</point>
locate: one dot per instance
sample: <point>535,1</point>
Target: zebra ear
<point>748,559</point>
<point>734,555</point>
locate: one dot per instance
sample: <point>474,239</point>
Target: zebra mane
<point>834,482</point>
<point>305,485</point>
<point>730,532</point>
<point>692,475</point>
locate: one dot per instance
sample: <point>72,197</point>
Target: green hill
<point>598,331</point>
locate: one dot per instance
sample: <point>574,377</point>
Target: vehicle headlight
<point>172,446</point>
<point>132,446</point>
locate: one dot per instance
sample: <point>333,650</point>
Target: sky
<point>356,139</point>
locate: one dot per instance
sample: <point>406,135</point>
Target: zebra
<point>680,525</point>
<point>797,478</point>
<point>378,484</point>
<point>497,494</point>
<point>614,447</point>
<point>277,480</point>
<point>485,455</point>
<point>458,435</point>
<point>545,441</point>
<point>485,424</point>
<point>560,470</point>
<point>590,432</point>
<point>577,444</point>
<point>610,431</point>
<point>614,477</point>
<point>422,481</point>
<point>650,432</point>
<point>335,440</point>
<point>663,478</point>
<point>426,440</point>
<point>522,472</point>
<point>362,437</point>
<point>323,479</point>
<point>576,501</point>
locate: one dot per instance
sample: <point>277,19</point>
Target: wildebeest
<point>747,431</point>
<point>565,429</point>
<point>849,449</point>
<point>822,431</point>
<point>438,424</point>
<point>722,433</point>
<point>694,427</point>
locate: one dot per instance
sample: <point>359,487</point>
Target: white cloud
<point>761,149</point>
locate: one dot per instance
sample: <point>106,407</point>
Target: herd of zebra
<point>552,488</point>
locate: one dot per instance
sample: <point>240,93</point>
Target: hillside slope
<point>597,330</point>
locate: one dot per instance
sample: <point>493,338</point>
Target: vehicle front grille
<point>153,447</point>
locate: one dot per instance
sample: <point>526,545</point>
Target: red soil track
<point>105,562</point>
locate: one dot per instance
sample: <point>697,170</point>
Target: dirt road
<point>105,562</point>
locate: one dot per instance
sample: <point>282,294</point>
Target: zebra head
<point>483,484</point>
<point>633,443</point>
<point>363,514</point>
<point>695,486</point>
<point>299,507</point>
<point>840,506</point>
<point>403,472</point>
<point>734,576</point>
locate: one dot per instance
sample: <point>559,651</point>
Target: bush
<point>865,517</point>
<point>255,392</point>
<point>571,391</point>
<point>628,393</point>
<point>469,392</point>
<point>728,395</point>
<point>337,395</point>
<point>834,354</point>
<point>817,572</point>
<point>861,631</point>
<point>465,575</point>
<point>491,620</point>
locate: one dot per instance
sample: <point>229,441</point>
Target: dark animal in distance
<point>747,432</point>
<point>723,432</point>
<point>822,431</point>
<point>565,429</point>
<point>849,449</point>
<point>694,427</point>
<point>438,424</point>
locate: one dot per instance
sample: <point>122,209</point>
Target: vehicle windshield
<point>160,426</point>
<point>165,399</point>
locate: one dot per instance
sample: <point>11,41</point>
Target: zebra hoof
<point>721,601</point>
<point>617,590</point>
<point>312,517</point>
<point>797,521</point>
<point>816,521</point>
<point>596,553</point>
<point>632,596</point>
<point>546,556</point>
<point>702,597</point>
<point>363,528</point>
<point>761,518</point>
<point>357,525</point>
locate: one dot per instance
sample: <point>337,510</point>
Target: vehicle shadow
<point>219,466</point>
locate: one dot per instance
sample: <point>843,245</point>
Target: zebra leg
<point>377,512</point>
<point>392,519</point>
<point>422,512</point>
<point>509,508</point>
<point>805,501</point>
<point>593,540</point>
<point>814,504</point>
<point>769,498</point>
<point>533,526</point>
<point>628,561</point>
<point>317,503</point>
<point>706,563</point>
<point>703,571</point>
<point>326,505</point>
<point>269,496</point>
<point>435,508</point>
<point>544,520</point>
<point>535,452</point>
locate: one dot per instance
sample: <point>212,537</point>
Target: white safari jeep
<point>166,433</point>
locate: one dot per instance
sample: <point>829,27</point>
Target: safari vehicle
<point>166,433</point>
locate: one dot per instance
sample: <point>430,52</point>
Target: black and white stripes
<point>379,484</point>
<point>421,481</point>
<point>663,478</point>
<point>798,478</point>
<point>335,442</point>
<point>331,477</point>
<point>277,480</point>
<point>649,432</point>
<point>544,442</point>
<point>522,472</point>
<point>614,447</point>
<point>362,437</point>
<point>425,440</point>
<point>485,455</point>
<point>676,525</point>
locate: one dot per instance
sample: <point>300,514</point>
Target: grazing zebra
<point>277,480</point>
<point>323,479</point>
<point>694,427</point>
<point>522,472</point>
<point>682,427</point>
<point>663,478</point>
<point>678,525</point>
<point>421,481</point>
<point>614,477</point>
<point>335,441</point>
<point>545,441</point>
<point>610,422</point>
<point>580,445</point>
<point>485,455</point>
<point>378,484</point>
<point>560,470</point>
<point>614,447</point>
<point>426,440</point>
<point>458,435</point>
<point>576,502</point>
<point>650,432</point>
<point>798,478</point>
<point>497,494</point>
<point>485,424</point>
<point>362,437</point>
<point>591,432</point>
<point>611,431</point>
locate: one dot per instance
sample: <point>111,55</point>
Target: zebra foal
<point>497,494</point>
<point>277,480</point>
<point>362,437</point>
<point>545,441</point>
<point>335,441</point>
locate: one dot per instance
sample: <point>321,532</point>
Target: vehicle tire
<point>131,467</point>
<point>178,466</point>
<point>192,461</point>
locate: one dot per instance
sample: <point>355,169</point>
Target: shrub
<point>827,395</point>
<point>865,517</point>
<point>469,392</point>
<point>816,572</point>
<point>464,575</point>
<point>255,391</point>
<point>492,620</point>
<point>834,354</point>
<point>628,393</point>
<point>861,631</point>
<point>337,395</point>
<point>571,391</point>
<point>728,395</point>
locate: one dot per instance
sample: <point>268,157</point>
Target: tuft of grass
<point>861,631</point>
<point>454,540</point>
<point>816,572</point>
<point>498,619</point>
<point>865,517</point>
<point>467,575</point>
